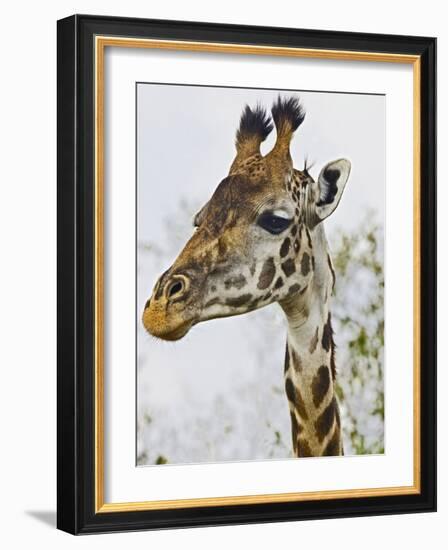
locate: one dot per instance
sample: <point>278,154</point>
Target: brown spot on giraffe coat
<point>325,421</point>
<point>237,281</point>
<point>239,300</point>
<point>313,342</point>
<point>303,449</point>
<point>267,274</point>
<point>308,236</point>
<point>333,447</point>
<point>295,398</point>
<point>330,265</point>
<point>327,334</point>
<point>284,249</point>
<point>294,288</point>
<point>288,267</point>
<point>305,264</point>
<point>320,385</point>
<point>296,428</point>
<point>296,360</point>
<point>286,359</point>
<point>278,283</point>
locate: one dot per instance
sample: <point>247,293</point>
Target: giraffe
<point>260,239</point>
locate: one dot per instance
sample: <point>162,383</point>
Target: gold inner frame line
<point>101,42</point>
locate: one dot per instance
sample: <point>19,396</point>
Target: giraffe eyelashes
<point>273,222</point>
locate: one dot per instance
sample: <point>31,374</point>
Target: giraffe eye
<point>272,223</point>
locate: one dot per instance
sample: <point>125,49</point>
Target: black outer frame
<point>75,173</point>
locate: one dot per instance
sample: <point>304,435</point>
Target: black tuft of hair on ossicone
<point>307,167</point>
<point>254,123</point>
<point>288,112</point>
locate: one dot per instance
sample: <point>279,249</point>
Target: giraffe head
<point>252,243</point>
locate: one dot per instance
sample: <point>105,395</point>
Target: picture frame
<point>82,239</point>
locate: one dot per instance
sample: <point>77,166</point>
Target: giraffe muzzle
<point>167,314</point>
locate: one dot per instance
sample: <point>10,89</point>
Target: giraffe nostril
<point>175,288</point>
<point>148,302</point>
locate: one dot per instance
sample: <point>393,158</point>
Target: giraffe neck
<point>309,363</point>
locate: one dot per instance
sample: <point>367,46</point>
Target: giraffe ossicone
<point>258,240</point>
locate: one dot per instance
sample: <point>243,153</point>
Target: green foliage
<point>359,318</point>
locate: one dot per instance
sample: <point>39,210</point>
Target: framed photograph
<point>246,274</point>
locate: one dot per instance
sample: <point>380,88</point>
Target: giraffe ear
<point>331,183</point>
